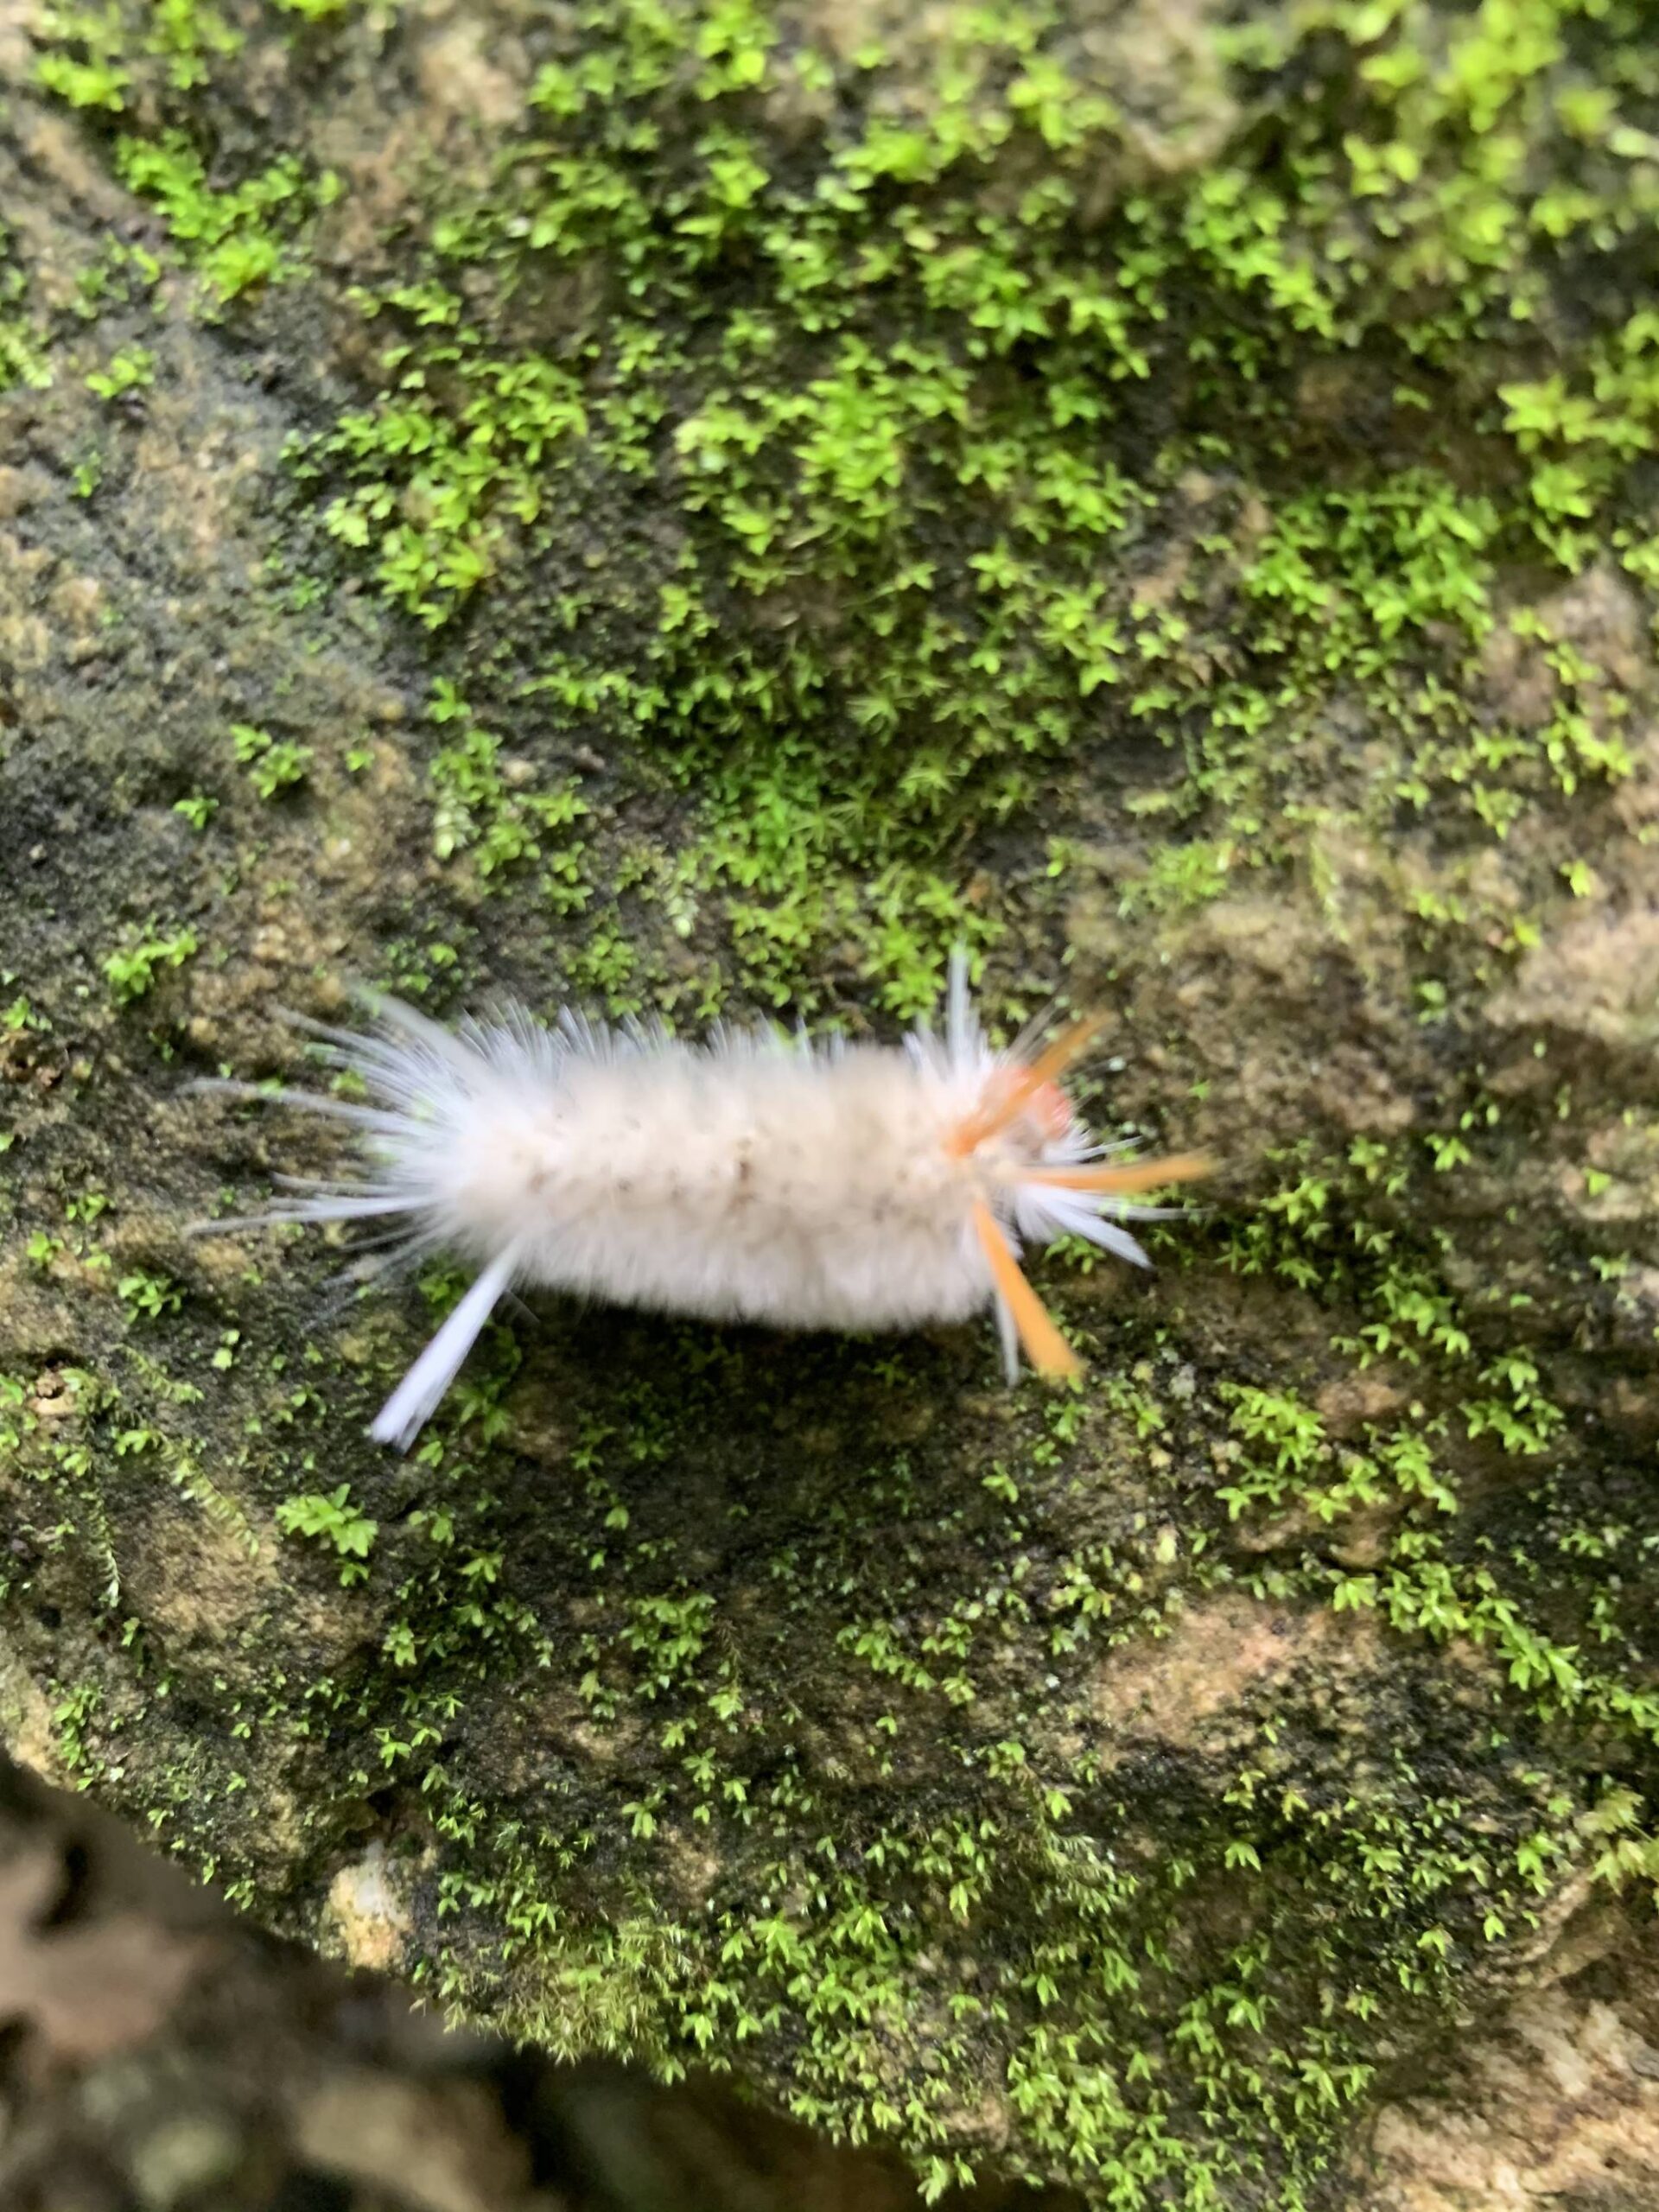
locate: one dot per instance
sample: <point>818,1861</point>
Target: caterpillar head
<point>1033,1123</point>
<point>1010,1141</point>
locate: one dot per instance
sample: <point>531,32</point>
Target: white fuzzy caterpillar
<point>753,1178</point>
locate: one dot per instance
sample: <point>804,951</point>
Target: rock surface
<point>696,510</point>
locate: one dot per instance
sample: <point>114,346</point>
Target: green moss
<point>130,370</point>
<point>331,1519</point>
<point>83,64</point>
<point>132,970</point>
<point>151,1295</point>
<point>833,506</point>
<point>1443,1577</point>
<point>477,810</point>
<point>23,360</point>
<point>238,238</point>
<point>816,461</point>
<point>90,63</point>
<point>274,765</point>
<point>982,563</point>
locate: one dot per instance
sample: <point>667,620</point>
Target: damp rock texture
<point>162,2056</point>
<point>694,510</point>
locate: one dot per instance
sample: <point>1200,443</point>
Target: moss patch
<point>702,510</point>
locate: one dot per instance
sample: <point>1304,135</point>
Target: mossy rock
<point>696,510</point>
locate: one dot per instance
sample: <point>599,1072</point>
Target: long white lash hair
<point>756,1176</point>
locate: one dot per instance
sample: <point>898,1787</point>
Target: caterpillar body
<point>753,1177</point>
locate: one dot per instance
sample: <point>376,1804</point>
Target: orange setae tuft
<point>1046,1348</point>
<point>1019,1086</point>
<point>1133,1175</point>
